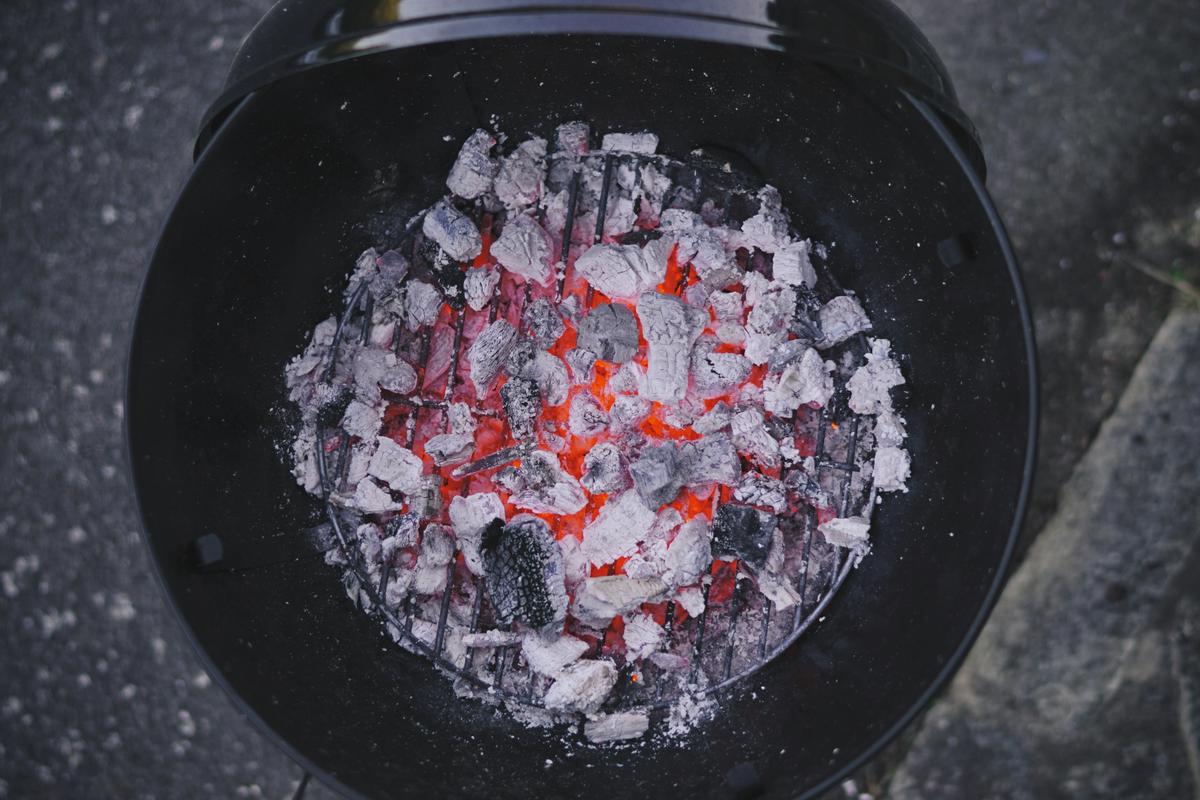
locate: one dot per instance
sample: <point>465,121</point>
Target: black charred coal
<point>522,405</point>
<point>451,279</point>
<point>743,532</point>
<point>524,572</point>
<point>404,526</point>
<point>806,322</point>
<point>640,236</point>
<point>330,414</point>
<point>491,534</point>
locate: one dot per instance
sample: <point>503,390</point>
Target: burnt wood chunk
<point>524,572</point>
<point>743,532</point>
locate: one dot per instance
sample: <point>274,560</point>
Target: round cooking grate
<point>739,629</point>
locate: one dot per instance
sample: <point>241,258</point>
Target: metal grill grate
<point>728,641</point>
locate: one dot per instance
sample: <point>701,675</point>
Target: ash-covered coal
<point>524,572</point>
<point>522,405</point>
<point>609,332</point>
<point>657,474</point>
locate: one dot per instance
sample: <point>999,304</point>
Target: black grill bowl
<point>318,163</point>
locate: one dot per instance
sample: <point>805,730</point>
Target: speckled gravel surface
<point>1088,112</point>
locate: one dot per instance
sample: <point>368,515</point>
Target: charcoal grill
<point>719,650</point>
<point>337,124</point>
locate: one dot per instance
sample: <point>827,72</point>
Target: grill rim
<point>874,42</point>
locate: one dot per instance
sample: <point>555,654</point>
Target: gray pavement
<point>1083,684</point>
<point>1088,113</point>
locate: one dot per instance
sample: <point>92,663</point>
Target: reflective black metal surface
<point>870,41</point>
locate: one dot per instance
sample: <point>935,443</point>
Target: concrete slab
<point>1083,684</point>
